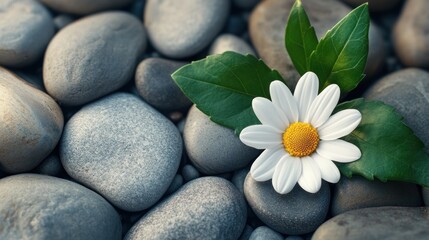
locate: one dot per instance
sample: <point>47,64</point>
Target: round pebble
<point>189,173</point>
<point>295,213</point>
<point>155,85</point>
<point>175,34</point>
<point>229,42</point>
<point>92,57</point>
<point>265,233</point>
<point>34,206</point>
<point>83,7</point>
<point>123,149</point>
<point>214,149</point>
<point>31,124</point>
<point>50,166</point>
<point>206,208</point>
<point>175,184</point>
<point>26,28</point>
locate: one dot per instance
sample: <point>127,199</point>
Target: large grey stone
<point>92,57</point>
<point>31,124</point>
<point>205,208</point>
<point>26,28</point>
<point>357,192</point>
<point>183,28</point>
<point>410,34</point>
<point>265,233</point>
<point>41,207</point>
<point>212,148</point>
<point>408,92</point>
<point>295,213</point>
<point>82,7</point>
<point>123,149</point>
<point>266,27</point>
<point>155,85</point>
<point>394,223</point>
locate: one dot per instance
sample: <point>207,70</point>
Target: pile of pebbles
<point>97,141</point>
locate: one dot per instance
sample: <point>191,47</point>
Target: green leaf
<point>223,87</point>
<point>390,150</point>
<point>341,55</point>
<point>300,38</point>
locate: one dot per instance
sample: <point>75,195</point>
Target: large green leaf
<point>300,38</point>
<point>390,150</point>
<point>341,55</point>
<point>223,87</point>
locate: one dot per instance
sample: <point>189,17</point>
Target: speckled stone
<point>92,57</point>
<point>26,28</point>
<point>155,85</point>
<point>175,184</point>
<point>410,34</point>
<point>239,177</point>
<point>63,20</point>
<point>214,149</point>
<point>407,91</point>
<point>50,166</point>
<point>245,235</point>
<point>229,42</point>
<point>393,223</point>
<point>266,28</point>
<point>189,173</point>
<point>357,192</point>
<point>295,213</point>
<point>180,29</point>
<point>83,7</point>
<point>265,233</point>
<point>123,149</point>
<point>31,124</point>
<point>34,206</point>
<point>205,208</point>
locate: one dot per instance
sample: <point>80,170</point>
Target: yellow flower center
<point>300,139</point>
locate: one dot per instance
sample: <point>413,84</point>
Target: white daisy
<point>300,135</point>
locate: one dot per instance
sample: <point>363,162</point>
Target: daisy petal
<point>305,92</point>
<point>269,114</point>
<point>286,174</point>
<point>261,136</point>
<point>310,179</point>
<point>283,99</point>
<point>338,150</point>
<point>340,124</point>
<point>263,167</point>
<point>323,105</point>
<point>328,169</point>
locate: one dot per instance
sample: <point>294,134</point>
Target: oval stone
<point>295,213</point>
<point>122,148</point>
<point>92,57</point>
<point>82,7</point>
<point>26,28</point>
<point>395,223</point>
<point>31,124</point>
<point>205,208</point>
<point>180,29</point>
<point>34,206</point>
<point>212,148</point>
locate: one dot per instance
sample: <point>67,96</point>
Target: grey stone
<point>31,124</point>
<point>123,149</point>
<point>245,235</point>
<point>155,85</point>
<point>425,194</point>
<point>175,184</point>
<point>246,4</point>
<point>236,25</point>
<point>295,213</point>
<point>229,42</point>
<point>265,233</point>
<point>239,177</point>
<point>357,192</point>
<point>63,20</point>
<point>205,208</point>
<point>189,173</point>
<point>375,5</point>
<point>26,28</point>
<point>395,223</point>
<point>174,33</point>
<point>212,148</point>
<point>266,27</point>
<point>50,166</point>
<point>35,80</point>
<point>83,7</point>
<point>92,57</point>
<point>410,34</point>
<point>408,92</point>
<point>34,206</point>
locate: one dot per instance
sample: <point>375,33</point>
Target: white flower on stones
<point>300,135</point>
